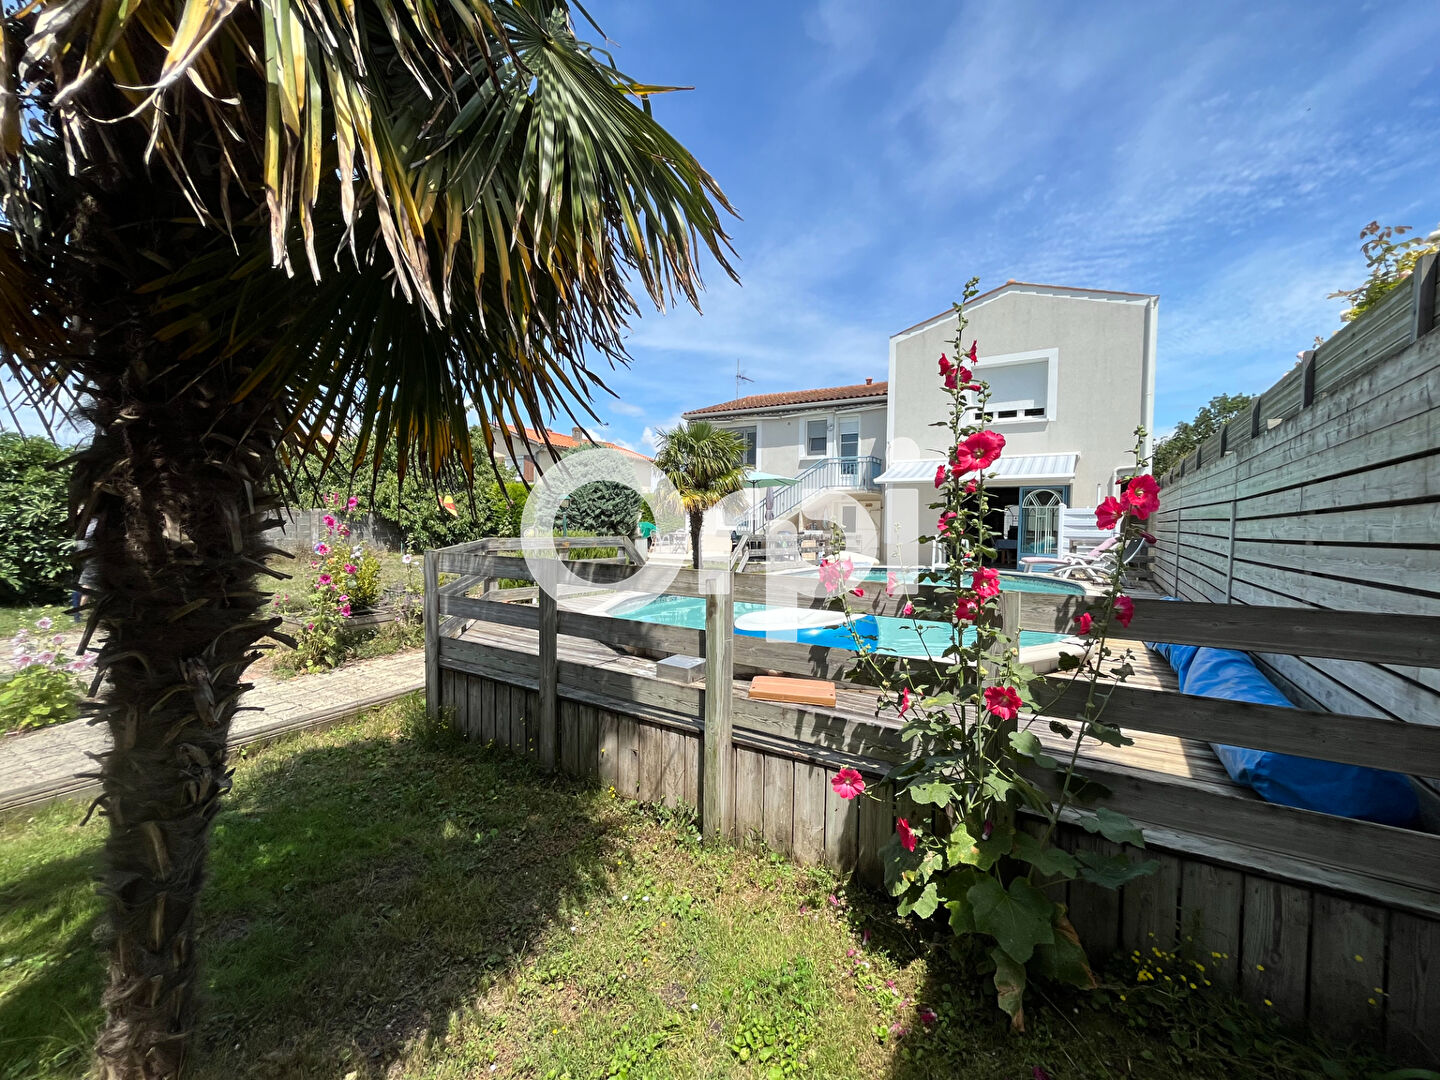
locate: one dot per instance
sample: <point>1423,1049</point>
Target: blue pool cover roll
<point>1307,783</point>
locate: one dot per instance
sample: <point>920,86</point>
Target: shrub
<point>34,519</point>
<point>43,690</point>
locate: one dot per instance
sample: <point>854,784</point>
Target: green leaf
<point>1065,960</point>
<point>1112,871</point>
<point>923,905</point>
<point>1028,743</point>
<point>963,849</point>
<point>1048,859</point>
<point>900,865</point>
<point>938,701</point>
<point>1067,661</point>
<point>1062,729</point>
<point>1082,789</point>
<point>1114,826</point>
<point>933,792</point>
<point>1010,987</point>
<point>1108,734</point>
<point>1018,918</point>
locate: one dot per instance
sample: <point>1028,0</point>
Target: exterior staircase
<point>826,475</point>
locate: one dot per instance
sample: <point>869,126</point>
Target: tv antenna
<point>740,377</point>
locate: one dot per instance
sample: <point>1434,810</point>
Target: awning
<point>1018,468</point>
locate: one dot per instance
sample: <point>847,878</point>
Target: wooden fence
<point>1336,508</point>
<point>1292,897</point>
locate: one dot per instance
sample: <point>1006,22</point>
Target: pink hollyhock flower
<point>324,579</point>
<point>985,447</point>
<point>1083,622</point>
<point>847,783</point>
<point>309,626</point>
<point>945,364</point>
<point>322,548</point>
<point>1141,496</point>
<point>908,609</point>
<point>927,1016</point>
<point>1124,610</point>
<point>986,582</point>
<point>857,592</point>
<point>350,568</point>
<point>44,624</point>
<point>1108,513</point>
<point>344,611</point>
<point>58,639</point>
<point>342,599</point>
<point>907,834</point>
<point>351,503</point>
<point>890,583</point>
<point>972,487</point>
<point>1002,701</point>
<point>904,700</point>
<point>865,937</point>
<point>946,520</point>
<point>407,558</point>
<point>45,658</point>
<point>329,522</point>
<point>833,575</point>
<point>344,530</point>
<point>22,661</point>
<point>939,475</point>
<point>966,610</point>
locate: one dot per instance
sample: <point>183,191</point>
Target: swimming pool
<point>894,637</point>
<point>1012,582</point>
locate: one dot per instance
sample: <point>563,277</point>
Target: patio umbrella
<point>757,479</point>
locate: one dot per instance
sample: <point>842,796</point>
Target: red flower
<point>966,376</point>
<point>974,350</point>
<point>985,447</point>
<point>908,609</point>
<point>1083,621</point>
<point>951,379</point>
<point>1003,701</point>
<point>1108,513</point>
<point>945,365</point>
<point>1141,496</point>
<point>847,783</point>
<point>857,592</point>
<point>962,461</point>
<point>972,487</point>
<point>986,582</point>
<point>907,834</point>
<point>966,610</point>
<point>947,519</point>
<point>1148,538</point>
<point>927,1016</point>
<point>939,475</point>
<point>1124,610</point>
<point>904,700</point>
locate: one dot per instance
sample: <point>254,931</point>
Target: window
<point>1019,390</point>
<point>747,436</point>
<point>817,438</point>
<point>848,518</point>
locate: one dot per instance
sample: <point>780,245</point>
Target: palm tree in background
<point>233,229</point>
<point>704,463</point>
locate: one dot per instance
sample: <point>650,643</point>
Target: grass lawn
<point>385,902</point>
<point>25,618</point>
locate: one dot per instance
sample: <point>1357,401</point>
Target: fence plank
<point>1150,906</point>
<point>719,702</point>
<point>1094,911</point>
<point>432,633</point>
<point>779,809</point>
<point>842,830</point>
<point>1412,1020</point>
<point>548,718</point>
<point>608,725</point>
<point>1347,968</point>
<point>749,808</point>
<point>812,785</point>
<point>627,734</point>
<point>877,825</point>
<point>1276,947</point>
<point>1211,902</point>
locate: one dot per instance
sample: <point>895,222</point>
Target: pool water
<point>897,637</point>
<point>1033,583</point>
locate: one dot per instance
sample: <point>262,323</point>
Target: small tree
<point>704,463</point>
<point>1223,408</point>
<point>35,559</point>
<point>604,507</point>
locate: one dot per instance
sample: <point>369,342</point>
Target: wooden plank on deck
<point>1274,958</point>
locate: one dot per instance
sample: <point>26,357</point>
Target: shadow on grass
<point>360,892</point>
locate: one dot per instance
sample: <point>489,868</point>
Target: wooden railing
<point>1408,858</point>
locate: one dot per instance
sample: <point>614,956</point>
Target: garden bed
<point>385,902</point>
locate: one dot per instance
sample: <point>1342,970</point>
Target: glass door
<point>1040,521</point>
<point>850,449</point>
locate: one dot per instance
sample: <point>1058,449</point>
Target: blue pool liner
<point>832,637</point>
<point>1308,783</point>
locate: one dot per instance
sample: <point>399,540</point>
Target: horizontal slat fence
<point>761,769</point>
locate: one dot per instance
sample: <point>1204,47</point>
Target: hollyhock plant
<point>890,582</point>
<point>972,722</point>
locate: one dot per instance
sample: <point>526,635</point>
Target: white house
<point>1072,374</point>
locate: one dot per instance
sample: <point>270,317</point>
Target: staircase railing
<point>827,474</point>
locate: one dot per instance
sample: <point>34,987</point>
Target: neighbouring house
<point>831,440</point>
<point>1072,374</point>
<point>528,453</point>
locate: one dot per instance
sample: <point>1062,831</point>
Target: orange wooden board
<point>792,691</point>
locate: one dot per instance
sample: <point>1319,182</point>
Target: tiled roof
<point>533,438</point>
<point>786,398</point>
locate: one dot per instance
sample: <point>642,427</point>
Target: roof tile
<point>796,397</point>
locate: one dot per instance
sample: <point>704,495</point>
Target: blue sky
<point>1222,155</point>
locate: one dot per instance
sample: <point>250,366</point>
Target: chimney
<point>578,434</point>
<point>869,382</point>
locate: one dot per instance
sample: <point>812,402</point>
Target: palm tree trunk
<point>175,485</point>
<point>697,522</point>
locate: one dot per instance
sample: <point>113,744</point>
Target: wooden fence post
<point>432,634</point>
<point>1422,305</point>
<point>1230,552</point>
<point>1307,378</point>
<point>719,699</point>
<point>547,579</point>
<point>1255,408</point>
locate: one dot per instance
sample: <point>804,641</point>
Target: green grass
<point>386,902</point>
<point>24,618</point>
